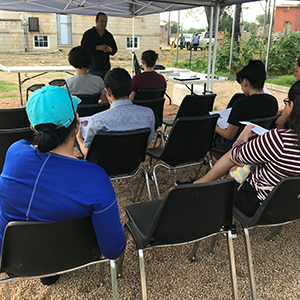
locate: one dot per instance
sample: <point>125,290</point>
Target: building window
<point>166,28</point>
<point>285,10</point>
<point>41,41</point>
<point>136,43</point>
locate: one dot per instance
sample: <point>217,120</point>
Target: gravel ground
<point>169,273</point>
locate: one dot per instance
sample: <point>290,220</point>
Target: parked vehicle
<point>204,39</point>
<point>187,43</point>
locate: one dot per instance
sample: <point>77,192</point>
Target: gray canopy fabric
<point>117,8</point>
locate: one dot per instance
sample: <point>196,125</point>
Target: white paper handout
<point>224,114</point>
<point>257,129</point>
<point>83,122</point>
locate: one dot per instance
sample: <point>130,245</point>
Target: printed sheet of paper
<point>83,122</point>
<point>224,114</point>
<point>257,129</point>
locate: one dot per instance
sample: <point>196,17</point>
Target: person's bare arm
<point>103,99</point>
<point>131,96</point>
<point>228,133</point>
<point>80,142</point>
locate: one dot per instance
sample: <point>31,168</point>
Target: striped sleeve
<point>265,148</point>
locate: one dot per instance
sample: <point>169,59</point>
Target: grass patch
<point>7,86</point>
<point>287,81</point>
<point>8,89</point>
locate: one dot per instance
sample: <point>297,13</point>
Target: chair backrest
<point>189,139</point>
<point>149,94</point>
<point>118,152</point>
<point>281,206</point>
<point>192,211</point>
<point>57,82</point>
<point>9,136</point>
<point>85,110</point>
<point>268,123</point>
<point>157,105</point>
<point>136,64</point>
<point>89,99</point>
<point>13,118</point>
<point>32,248</point>
<point>33,88</point>
<point>196,105</point>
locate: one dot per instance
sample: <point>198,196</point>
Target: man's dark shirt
<point>90,40</point>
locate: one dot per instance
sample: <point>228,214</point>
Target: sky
<point>254,9</point>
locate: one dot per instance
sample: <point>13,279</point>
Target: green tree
<point>173,25</point>
<point>193,30</point>
<point>260,18</point>
<point>249,26</point>
<point>225,23</point>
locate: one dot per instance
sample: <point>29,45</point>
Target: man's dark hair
<point>119,82</point>
<point>298,62</point>
<point>100,14</point>
<point>79,57</point>
<point>149,57</point>
<point>254,72</point>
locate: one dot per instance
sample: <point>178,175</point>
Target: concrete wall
<point>13,37</point>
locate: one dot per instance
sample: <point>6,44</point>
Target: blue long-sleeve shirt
<point>49,187</point>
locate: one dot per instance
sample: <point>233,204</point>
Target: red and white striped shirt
<point>275,155</point>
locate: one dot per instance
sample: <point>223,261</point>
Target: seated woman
<point>43,180</point>
<point>149,79</point>
<point>83,83</point>
<point>273,156</point>
<point>255,103</point>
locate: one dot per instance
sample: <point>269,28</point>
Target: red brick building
<point>287,18</point>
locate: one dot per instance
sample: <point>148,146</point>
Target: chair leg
<point>143,275</point>
<point>121,258</point>
<point>155,181</point>
<point>194,251</point>
<point>101,273</point>
<point>212,244</point>
<point>232,265</point>
<point>250,264</point>
<point>274,232</point>
<point>114,280</point>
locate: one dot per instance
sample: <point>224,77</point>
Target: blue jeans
<point>98,73</point>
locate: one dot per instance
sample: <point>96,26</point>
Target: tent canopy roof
<point>117,8</point>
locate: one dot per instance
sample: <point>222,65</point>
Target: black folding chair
<point>157,105</point>
<point>33,88</point>
<point>57,82</point>
<point>33,249</point>
<point>149,94</point>
<point>267,123</point>
<point>85,110</point>
<point>120,153</point>
<point>192,106</point>
<point>188,213</point>
<point>13,118</point>
<point>187,145</point>
<point>9,136</point>
<point>89,99</point>
<point>282,206</point>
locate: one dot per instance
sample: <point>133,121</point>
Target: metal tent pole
<point>215,46</point>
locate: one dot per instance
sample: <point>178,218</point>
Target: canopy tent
<point>116,8</point>
<point>122,8</point>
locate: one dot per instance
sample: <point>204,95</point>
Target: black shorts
<point>246,199</point>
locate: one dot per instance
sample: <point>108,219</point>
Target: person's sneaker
<point>49,280</point>
<point>233,231</point>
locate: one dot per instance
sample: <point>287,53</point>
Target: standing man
<point>195,41</point>
<point>181,40</point>
<point>101,44</point>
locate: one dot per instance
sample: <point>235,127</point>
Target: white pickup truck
<point>187,42</point>
<point>203,40</point>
